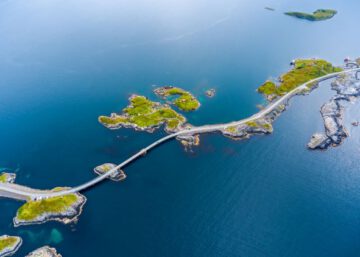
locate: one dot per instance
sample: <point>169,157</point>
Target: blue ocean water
<point>64,63</point>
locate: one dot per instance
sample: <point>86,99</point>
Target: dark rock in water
<point>355,123</point>
<point>210,93</point>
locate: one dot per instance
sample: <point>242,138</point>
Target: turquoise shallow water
<point>63,63</point>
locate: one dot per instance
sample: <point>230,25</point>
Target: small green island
<point>146,115</point>
<point>9,245</point>
<point>64,209</point>
<point>303,71</point>
<point>318,15</point>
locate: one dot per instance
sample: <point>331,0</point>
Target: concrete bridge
<point>24,193</point>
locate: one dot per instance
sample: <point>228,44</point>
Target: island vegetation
<point>9,245</point>
<point>143,114</point>
<point>62,208</point>
<point>184,100</point>
<point>303,71</point>
<point>7,177</point>
<point>3,178</point>
<point>318,15</point>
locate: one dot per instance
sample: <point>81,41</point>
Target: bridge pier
<point>357,76</point>
<point>352,65</point>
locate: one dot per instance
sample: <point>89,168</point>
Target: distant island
<point>318,15</point>
<point>269,8</point>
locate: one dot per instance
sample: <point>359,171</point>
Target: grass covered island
<point>143,114</point>
<point>303,71</point>
<point>318,15</point>
<point>183,100</point>
<point>9,245</point>
<point>65,209</point>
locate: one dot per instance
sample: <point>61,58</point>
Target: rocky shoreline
<point>11,249</point>
<point>7,177</point>
<point>259,127</point>
<point>44,251</point>
<point>347,88</point>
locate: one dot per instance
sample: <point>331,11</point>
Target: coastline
<point>10,250</point>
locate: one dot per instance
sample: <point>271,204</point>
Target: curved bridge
<point>25,193</point>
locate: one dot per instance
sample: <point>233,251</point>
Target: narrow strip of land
<point>23,193</point>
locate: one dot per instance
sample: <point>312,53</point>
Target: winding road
<point>24,193</point>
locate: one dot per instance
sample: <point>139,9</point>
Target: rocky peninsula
<point>9,245</point>
<point>65,209</point>
<point>347,89</point>
<point>44,251</point>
